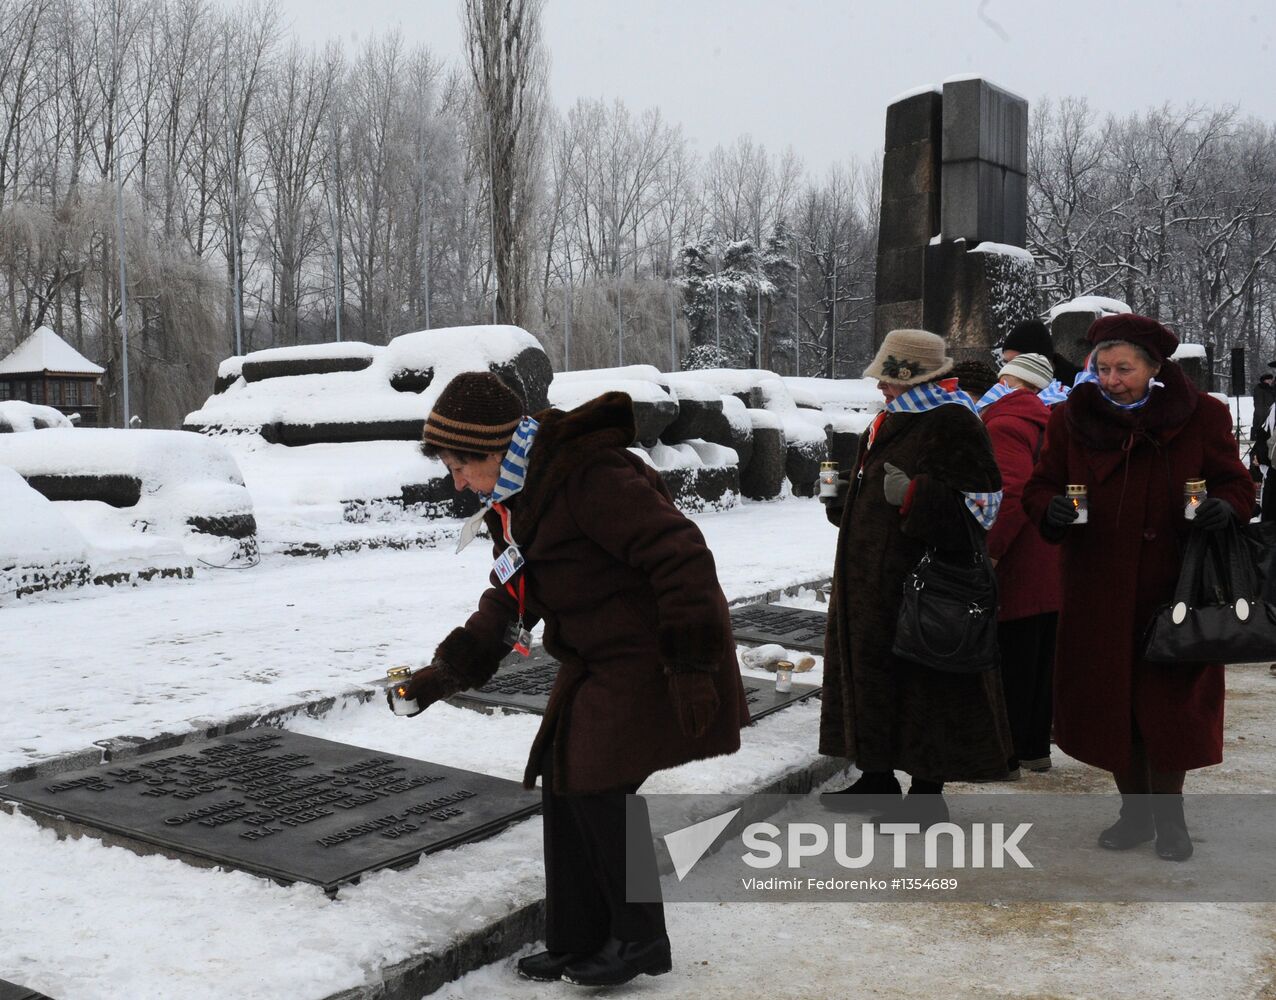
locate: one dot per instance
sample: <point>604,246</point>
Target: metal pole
<point>797,311</point>
<point>232,168</point>
<point>717,330</point>
<point>491,203</point>
<point>673,320</point>
<point>567,323</point>
<point>425,237</point>
<point>119,227</point>
<point>620,320</point>
<point>833,332</point>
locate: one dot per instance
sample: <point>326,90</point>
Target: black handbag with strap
<point>1222,610</point>
<point>948,616</point>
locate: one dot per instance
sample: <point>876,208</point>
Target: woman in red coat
<point>1133,431</point>
<point>1027,565</point>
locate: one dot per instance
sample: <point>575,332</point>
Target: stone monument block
<point>1069,329</point>
<point>973,300</point>
<point>982,121</point>
<point>914,119</point>
<point>984,201</point>
<point>285,806</point>
<point>763,478</point>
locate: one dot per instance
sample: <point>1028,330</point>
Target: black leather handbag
<point>948,617</point>
<point>1222,611</point>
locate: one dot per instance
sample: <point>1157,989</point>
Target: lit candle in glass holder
<point>1076,494</point>
<point>828,480</point>
<point>1193,496</point>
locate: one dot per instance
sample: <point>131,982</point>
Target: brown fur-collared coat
<point>626,587</point>
<point>889,714</point>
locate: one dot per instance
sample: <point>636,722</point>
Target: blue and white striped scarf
<point>998,391</point>
<point>1054,394</point>
<point>930,396</point>
<point>1090,374</point>
<point>509,479</point>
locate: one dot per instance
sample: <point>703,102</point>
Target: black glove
<point>1060,513</point>
<point>428,685</point>
<point>1213,514</point>
<point>695,700</point>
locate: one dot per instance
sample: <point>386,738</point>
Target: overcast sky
<point>818,74</point>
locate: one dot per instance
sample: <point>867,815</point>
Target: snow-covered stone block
<point>17,415</point>
<point>654,407</point>
<point>763,478</point>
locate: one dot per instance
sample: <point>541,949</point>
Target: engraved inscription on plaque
<point>792,628</point>
<point>524,683</point>
<point>291,807</point>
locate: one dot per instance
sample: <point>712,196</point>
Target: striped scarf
<point>998,391</point>
<point>1090,374</point>
<point>509,479</point>
<point>1054,394</point>
<point>930,396</point>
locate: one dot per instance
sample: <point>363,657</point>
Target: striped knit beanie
<point>476,412</point>
<point>1035,369</point>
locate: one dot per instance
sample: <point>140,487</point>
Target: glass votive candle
<point>1193,495</point>
<point>399,677</point>
<point>1076,493</point>
<point>783,676</point>
<point>828,480</point>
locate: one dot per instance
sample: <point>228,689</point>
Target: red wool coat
<point>1122,565</point>
<point>1028,581</point>
<point>626,587</point>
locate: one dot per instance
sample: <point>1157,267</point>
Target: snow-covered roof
<point>45,351</point>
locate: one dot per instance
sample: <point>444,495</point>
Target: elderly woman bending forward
<point>1132,432</point>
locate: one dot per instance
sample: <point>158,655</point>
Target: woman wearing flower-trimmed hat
<point>925,475</point>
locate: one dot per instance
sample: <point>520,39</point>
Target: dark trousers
<point>1027,667</point>
<point>585,867</point>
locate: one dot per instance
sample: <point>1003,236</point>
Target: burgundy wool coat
<point>1028,580</point>
<point>626,587</point>
<point>1123,565</point>
<point>882,712</point>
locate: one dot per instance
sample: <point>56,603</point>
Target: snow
<point>966,77</point>
<point>571,394</point>
<point>1089,303</point>
<point>83,921</point>
<point>925,88</point>
<point>702,392</point>
<point>33,531</point>
<point>765,420</point>
<point>18,415</point>
<point>1188,351</point>
<point>305,352</point>
<point>725,380</point>
<point>737,414</point>
<point>835,393</point>
<point>231,367</point>
<point>629,373</point>
<point>1005,250</point>
<point>713,455</point>
<point>44,351</point>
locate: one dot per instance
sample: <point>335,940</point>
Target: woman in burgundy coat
<point>589,541</point>
<point>1028,581</point>
<point>1133,431</point>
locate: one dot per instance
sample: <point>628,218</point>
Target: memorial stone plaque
<point>523,684</point>
<point>792,628</point>
<point>286,806</point>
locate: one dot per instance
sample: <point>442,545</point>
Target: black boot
<point>871,791</point>
<point>620,961</point>
<point>546,966</point>
<point>924,805</point>
<point>1133,828</point>
<point>1172,840</point>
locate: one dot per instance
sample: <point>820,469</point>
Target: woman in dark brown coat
<point>925,469</point>
<point>589,541</point>
<point>1132,432</point>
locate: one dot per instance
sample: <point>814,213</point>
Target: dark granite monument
<point>12,991</point>
<point>278,804</point>
<point>523,684</point>
<point>792,628</point>
<point>954,176</point>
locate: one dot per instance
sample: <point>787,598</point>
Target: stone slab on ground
<point>285,806</point>
<point>523,685</point>
<point>792,628</point>
<point>12,991</point>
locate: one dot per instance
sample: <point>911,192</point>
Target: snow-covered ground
<point>81,921</point>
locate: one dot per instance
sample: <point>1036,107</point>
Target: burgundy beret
<point>1141,330</point>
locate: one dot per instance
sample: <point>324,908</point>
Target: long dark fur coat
<point>882,712</point>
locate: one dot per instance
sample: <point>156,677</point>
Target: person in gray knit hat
<point>1027,371</point>
<point>924,477</point>
<point>587,539</point>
